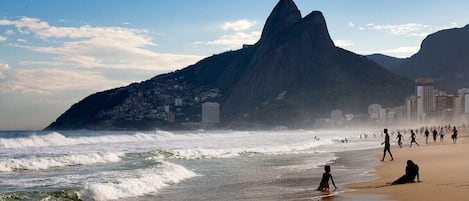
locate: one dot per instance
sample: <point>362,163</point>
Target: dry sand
<point>444,171</point>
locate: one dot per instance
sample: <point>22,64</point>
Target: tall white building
<point>425,98</point>
<point>411,108</point>
<point>178,102</point>
<point>375,110</point>
<point>466,104</point>
<point>210,112</point>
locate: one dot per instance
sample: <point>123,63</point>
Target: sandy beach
<point>444,169</point>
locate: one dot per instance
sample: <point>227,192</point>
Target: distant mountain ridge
<point>388,62</point>
<point>291,76</point>
<point>443,56</point>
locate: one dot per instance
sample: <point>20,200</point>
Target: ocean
<point>190,165</point>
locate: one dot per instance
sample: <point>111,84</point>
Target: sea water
<point>163,165</point>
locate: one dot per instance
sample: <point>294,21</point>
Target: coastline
<point>443,171</point>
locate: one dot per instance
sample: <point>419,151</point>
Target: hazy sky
<point>55,53</point>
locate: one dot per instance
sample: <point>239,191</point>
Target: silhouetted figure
<point>427,133</point>
<point>454,136</point>
<point>324,185</point>
<point>387,145</point>
<point>412,137</point>
<point>435,133</point>
<point>411,171</point>
<point>442,134</point>
<point>399,139</point>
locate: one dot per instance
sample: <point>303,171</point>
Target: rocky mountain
<point>388,62</point>
<point>444,56</point>
<point>291,76</point>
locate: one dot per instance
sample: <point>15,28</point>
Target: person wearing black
<point>411,172</point>
<point>412,136</point>
<point>427,133</point>
<point>454,136</point>
<point>435,133</point>
<point>387,145</point>
<point>324,185</point>
<point>399,139</point>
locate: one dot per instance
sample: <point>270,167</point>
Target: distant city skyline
<point>54,56</point>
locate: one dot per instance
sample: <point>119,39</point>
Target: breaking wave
<point>136,183</point>
<point>43,163</point>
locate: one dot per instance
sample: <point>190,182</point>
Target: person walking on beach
<point>411,171</point>
<point>412,137</point>
<point>399,139</point>
<point>324,185</point>
<point>442,134</point>
<point>427,133</point>
<point>387,145</point>
<point>435,133</point>
<point>455,135</point>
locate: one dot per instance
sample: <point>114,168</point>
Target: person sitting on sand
<point>411,171</point>
<point>324,185</point>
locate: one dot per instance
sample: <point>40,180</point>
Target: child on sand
<point>324,185</point>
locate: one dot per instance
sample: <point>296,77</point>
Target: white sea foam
<point>42,163</point>
<point>207,153</point>
<point>136,183</point>
<point>57,139</point>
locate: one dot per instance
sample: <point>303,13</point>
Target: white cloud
<point>237,39</point>
<point>351,25</point>
<point>240,36</point>
<point>399,52</point>
<point>240,25</point>
<point>50,81</point>
<point>4,68</point>
<point>21,40</point>
<point>9,32</point>
<point>343,43</point>
<point>2,38</point>
<point>102,47</point>
<point>400,29</point>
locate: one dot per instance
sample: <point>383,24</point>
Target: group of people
<point>412,169</point>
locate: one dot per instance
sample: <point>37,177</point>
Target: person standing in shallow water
<point>324,185</point>
<point>387,145</point>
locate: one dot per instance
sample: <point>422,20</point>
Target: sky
<point>55,53</point>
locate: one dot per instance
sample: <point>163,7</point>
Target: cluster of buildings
<point>427,106</point>
<point>174,102</point>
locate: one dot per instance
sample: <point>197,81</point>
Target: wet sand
<point>444,171</point>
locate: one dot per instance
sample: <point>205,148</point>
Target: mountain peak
<point>285,14</point>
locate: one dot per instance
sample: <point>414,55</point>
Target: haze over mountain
<point>388,62</point>
<point>443,56</point>
<point>291,76</point>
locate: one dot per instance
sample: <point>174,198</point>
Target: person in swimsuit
<point>399,139</point>
<point>387,145</point>
<point>413,136</point>
<point>324,185</point>
<point>411,172</point>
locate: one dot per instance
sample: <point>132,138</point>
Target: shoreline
<point>443,171</point>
